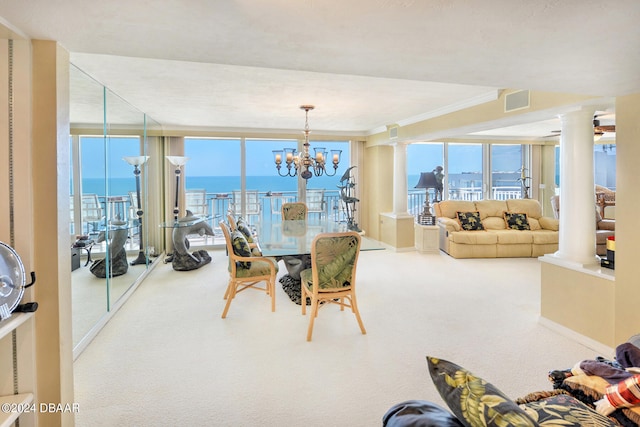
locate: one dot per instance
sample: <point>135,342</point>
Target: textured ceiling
<point>363,63</point>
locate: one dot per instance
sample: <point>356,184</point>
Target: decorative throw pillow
<point>469,220</point>
<point>240,248</point>
<point>564,410</point>
<point>419,413</point>
<point>244,229</point>
<point>516,221</point>
<point>473,400</point>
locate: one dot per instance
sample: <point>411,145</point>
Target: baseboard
<point>598,347</point>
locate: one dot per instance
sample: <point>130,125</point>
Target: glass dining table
<point>291,241</point>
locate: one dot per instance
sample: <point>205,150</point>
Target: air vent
<point>516,101</point>
<point>393,132</point>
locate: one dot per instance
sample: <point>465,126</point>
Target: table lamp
<point>427,180</point>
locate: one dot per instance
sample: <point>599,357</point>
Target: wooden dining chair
<point>247,271</point>
<point>294,211</point>
<point>332,276</point>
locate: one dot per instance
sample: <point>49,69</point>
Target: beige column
<point>50,167</point>
<point>400,178</point>
<point>577,236</point>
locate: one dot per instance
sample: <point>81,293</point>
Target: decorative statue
<point>439,174</point>
<point>182,259</point>
<point>118,264</point>
<point>347,185</point>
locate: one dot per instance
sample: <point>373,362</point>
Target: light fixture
<point>427,180</point>
<point>303,162</point>
<point>136,162</point>
<point>178,162</point>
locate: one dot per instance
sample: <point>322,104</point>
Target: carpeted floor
<point>168,359</point>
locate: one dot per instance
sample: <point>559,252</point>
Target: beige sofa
<point>496,240</point>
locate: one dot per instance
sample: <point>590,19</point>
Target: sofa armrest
<point>549,223</point>
<point>449,224</point>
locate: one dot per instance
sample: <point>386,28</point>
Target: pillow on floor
<point>419,413</point>
<point>564,410</point>
<point>474,401</point>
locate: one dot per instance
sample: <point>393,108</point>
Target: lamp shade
<point>177,160</point>
<point>427,180</point>
<point>136,160</point>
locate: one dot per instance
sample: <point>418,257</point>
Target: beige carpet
<point>168,359</point>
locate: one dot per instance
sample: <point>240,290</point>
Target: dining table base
<point>291,281</point>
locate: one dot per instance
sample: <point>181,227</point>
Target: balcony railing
<point>218,205</point>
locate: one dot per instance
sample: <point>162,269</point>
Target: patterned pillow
<point>624,394</point>
<point>419,413</point>
<point>240,248</point>
<point>516,221</point>
<point>473,400</point>
<point>469,220</point>
<point>244,229</point>
<point>564,410</point>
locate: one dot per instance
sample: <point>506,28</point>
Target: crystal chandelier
<point>303,162</point>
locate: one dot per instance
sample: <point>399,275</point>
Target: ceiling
<point>364,64</point>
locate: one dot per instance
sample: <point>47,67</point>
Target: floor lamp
<point>136,162</point>
<point>178,162</point>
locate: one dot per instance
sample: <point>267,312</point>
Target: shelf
<point>16,319</point>
<point>17,400</point>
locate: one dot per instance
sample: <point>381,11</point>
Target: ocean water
<point>215,184</point>
<point>226,184</point>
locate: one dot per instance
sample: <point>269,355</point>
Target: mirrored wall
<point>110,164</point>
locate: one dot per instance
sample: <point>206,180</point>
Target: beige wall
<point>379,189</point>
<point>627,295</point>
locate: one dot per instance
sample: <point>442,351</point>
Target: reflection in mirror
<point>108,145</point>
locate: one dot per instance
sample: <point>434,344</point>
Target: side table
<point>427,238</point>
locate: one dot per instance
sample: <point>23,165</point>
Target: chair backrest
<point>315,200</point>
<point>196,201</point>
<point>334,257</point>
<point>294,211</point>
<point>91,208</point>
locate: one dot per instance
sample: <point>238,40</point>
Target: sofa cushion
<point>489,208</point>
<point>531,207</point>
<point>534,224</point>
<point>419,413</point>
<point>516,221</point>
<point>473,400</point>
<point>549,223</point>
<point>544,237</point>
<point>469,221</point>
<point>473,238</point>
<point>449,208</point>
<point>514,237</point>
<point>494,223</point>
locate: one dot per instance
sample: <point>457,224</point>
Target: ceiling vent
<point>516,101</point>
<point>393,132</point>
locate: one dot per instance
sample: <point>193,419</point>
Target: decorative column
<point>577,235</point>
<point>400,189</point>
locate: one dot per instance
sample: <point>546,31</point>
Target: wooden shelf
<point>16,319</point>
<point>14,400</point>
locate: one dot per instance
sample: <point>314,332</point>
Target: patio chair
<point>251,203</point>
<point>315,201</point>
<point>294,211</point>
<point>196,202</point>
<point>247,271</point>
<point>332,276</point>
<point>91,211</point>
